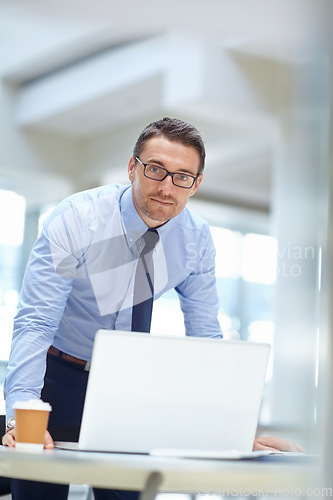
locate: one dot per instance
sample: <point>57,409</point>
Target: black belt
<point>82,363</point>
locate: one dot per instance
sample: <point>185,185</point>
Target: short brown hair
<point>173,130</point>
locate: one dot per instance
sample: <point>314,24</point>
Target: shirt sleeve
<point>46,286</point>
<point>198,295</point>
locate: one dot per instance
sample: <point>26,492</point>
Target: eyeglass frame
<point>166,175</point>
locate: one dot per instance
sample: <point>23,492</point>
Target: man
<point>84,273</point>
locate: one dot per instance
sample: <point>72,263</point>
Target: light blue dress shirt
<point>80,278</point>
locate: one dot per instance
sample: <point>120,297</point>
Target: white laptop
<point>167,395</point>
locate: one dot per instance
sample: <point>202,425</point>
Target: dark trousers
<point>64,388</point>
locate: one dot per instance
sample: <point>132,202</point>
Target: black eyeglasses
<point>157,173</point>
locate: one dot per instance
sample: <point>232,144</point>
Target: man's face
<point>159,201</point>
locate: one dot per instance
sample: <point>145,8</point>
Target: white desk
<point>132,472</point>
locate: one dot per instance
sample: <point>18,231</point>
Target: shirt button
<point>131,239</point>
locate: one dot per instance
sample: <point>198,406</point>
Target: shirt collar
<point>135,227</point>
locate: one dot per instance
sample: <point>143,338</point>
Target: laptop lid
<point>148,392</point>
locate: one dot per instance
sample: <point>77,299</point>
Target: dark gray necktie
<point>144,285</point>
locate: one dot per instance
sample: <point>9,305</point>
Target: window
<point>12,213</point>
<point>245,277</point>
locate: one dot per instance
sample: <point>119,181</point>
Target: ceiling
<point>81,78</point>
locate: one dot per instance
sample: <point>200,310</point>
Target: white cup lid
<point>32,404</point>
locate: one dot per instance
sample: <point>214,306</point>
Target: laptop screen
<point>149,392</point>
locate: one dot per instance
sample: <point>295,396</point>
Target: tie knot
<point>151,237</point>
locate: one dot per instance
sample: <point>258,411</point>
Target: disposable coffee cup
<point>31,419</point>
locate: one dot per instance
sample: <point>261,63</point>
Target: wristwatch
<point>10,424</point>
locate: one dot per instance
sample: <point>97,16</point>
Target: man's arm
<point>42,301</point>
<point>197,293</point>
<point>9,440</point>
<point>276,444</point>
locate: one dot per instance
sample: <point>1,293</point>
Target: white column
<point>297,212</point>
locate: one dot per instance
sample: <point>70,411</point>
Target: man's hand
<point>276,444</point>
<point>9,440</point>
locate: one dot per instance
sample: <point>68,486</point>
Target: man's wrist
<point>10,424</point>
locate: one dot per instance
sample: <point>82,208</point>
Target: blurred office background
<point>78,82</point>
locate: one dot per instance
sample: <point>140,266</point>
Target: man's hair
<point>174,130</point>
